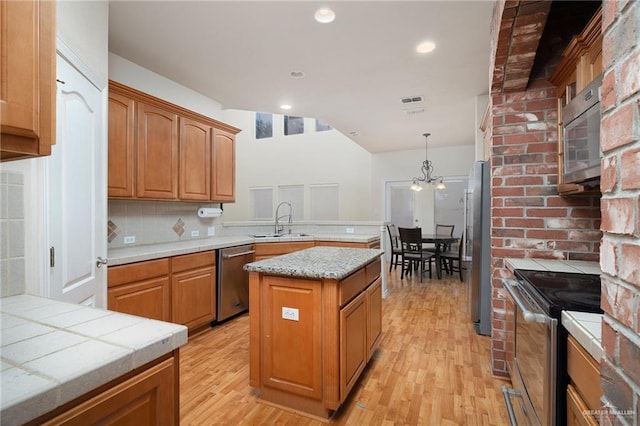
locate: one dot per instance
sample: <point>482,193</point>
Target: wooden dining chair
<point>413,256</point>
<point>394,244</point>
<point>452,260</point>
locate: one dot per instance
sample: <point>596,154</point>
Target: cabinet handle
<point>101,261</point>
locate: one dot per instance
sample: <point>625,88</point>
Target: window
<point>324,202</point>
<point>264,125</point>
<point>322,126</point>
<point>293,125</point>
<point>294,195</point>
<point>261,203</point>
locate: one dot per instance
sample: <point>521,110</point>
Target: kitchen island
<point>315,320</point>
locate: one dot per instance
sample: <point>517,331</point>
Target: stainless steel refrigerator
<point>478,230</point>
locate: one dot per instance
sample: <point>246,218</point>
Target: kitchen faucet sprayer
<point>278,227</point>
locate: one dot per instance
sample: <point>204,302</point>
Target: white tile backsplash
<point>12,233</point>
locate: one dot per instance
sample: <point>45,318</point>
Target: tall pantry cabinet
<point>160,151</point>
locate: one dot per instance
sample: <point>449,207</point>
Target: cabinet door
<point>374,316</point>
<point>28,90</point>
<point>148,298</point>
<point>193,297</point>
<point>292,336</point>
<point>121,145</point>
<point>195,160</point>
<point>157,153</point>
<point>148,398</point>
<point>353,343</point>
<point>223,173</point>
<point>577,410</point>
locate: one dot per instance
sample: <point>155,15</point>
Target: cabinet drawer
<point>585,373</point>
<point>372,270</point>
<point>118,275</point>
<point>192,261</point>
<point>275,249</point>
<point>352,285</point>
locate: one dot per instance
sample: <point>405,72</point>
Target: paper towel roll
<point>209,212</point>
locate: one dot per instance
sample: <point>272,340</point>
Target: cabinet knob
<point>101,261</point>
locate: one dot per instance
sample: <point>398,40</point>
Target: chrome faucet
<point>279,228</point>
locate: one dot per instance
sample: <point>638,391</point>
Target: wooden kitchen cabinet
<point>268,250</point>
<point>374,316</point>
<point>172,153</point>
<point>581,63</point>
<point>28,75</point>
<point>353,342</point>
<point>121,161</point>
<point>372,244</point>
<point>157,153</point>
<point>141,289</point>
<point>223,171</point>
<point>195,160</point>
<point>584,390</point>
<point>193,289</point>
<point>149,398</point>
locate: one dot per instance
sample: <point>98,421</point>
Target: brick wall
<point>528,217</point>
<point>620,251</point>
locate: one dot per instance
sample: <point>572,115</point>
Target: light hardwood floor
<point>431,368</point>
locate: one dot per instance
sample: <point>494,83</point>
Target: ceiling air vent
<point>413,111</point>
<point>412,99</point>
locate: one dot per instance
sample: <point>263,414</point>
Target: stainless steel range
<point>539,375</point>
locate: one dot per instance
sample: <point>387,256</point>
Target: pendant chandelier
<point>427,171</point>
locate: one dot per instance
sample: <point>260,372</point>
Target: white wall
<point>309,158</point>
<point>133,75</point>
<point>404,165</point>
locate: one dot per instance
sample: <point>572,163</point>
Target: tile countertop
<point>585,327</point>
<point>53,352</point>
<point>122,256</point>
<point>317,262</point>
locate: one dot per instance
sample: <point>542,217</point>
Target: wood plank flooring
<point>431,368</point>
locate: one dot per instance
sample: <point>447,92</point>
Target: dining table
<point>438,241</point>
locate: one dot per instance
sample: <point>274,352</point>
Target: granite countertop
<point>585,327</point>
<point>125,255</point>
<point>53,352</point>
<point>317,262</point>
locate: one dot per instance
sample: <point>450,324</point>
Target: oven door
<point>534,363</point>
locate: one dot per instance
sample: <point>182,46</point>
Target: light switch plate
<point>211,231</point>
<point>129,239</point>
<point>292,314</point>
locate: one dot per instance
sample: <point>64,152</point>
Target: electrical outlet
<point>350,230</point>
<point>195,233</point>
<point>291,314</point>
<point>211,231</point>
<point>129,239</point>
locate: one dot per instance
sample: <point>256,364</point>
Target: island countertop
<point>317,262</point>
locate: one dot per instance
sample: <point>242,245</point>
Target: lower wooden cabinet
<point>179,289</point>
<point>140,289</point>
<point>354,350</point>
<point>584,390</point>
<point>374,316</point>
<point>150,397</point>
<point>268,250</point>
<point>372,244</point>
<point>193,289</point>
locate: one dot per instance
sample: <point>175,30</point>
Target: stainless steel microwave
<point>581,135</point>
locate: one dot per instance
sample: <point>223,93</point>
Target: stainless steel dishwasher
<point>233,281</point>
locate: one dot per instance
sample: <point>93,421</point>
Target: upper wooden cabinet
<point>27,75</point>
<point>581,63</point>
<point>161,151</point>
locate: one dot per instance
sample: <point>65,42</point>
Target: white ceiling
<point>356,69</point>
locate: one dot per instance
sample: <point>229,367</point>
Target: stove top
<point>564,290</point>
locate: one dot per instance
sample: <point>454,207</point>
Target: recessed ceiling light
<point>425,47</point>
<point>325,15</point>
<point>285,106</point>
<point>296,74</point>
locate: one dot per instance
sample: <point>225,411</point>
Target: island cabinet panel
<point>121,146</point>
<point>371,244</point>
<point>195,160</point>
<point>148,398</point>
<point>157,153</point>
<point>140,289</point>
<point>193,290</point>
<point>293,331</point>
<point>268,250</point>
<point>28,76</point>
<point>353,342</point>
<point>374,316</point>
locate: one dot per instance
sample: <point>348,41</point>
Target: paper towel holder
<point>208,212</point>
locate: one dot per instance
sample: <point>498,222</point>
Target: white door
<point>77,192</point>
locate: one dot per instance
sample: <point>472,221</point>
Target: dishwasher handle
<point>242,253</point>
